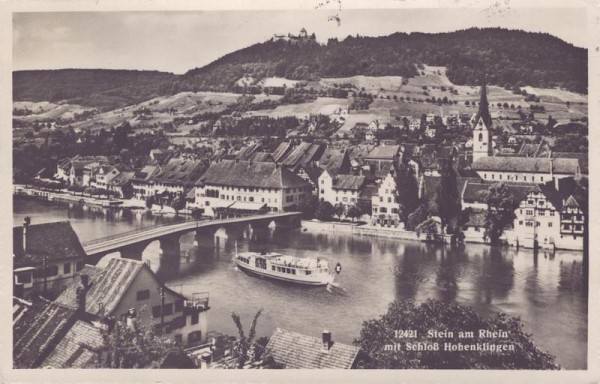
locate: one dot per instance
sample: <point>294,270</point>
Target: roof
<point>571,202</point>
<point>473,191</point>
<point>297,351</point>
<point>582,157</point>
<point>38,330</point>
<point>78,349</point>
<point>250,174</point>
<point>109,285</point>
<point>122,178</point>
<point>281,151</point>
<point>180,171</point>
<point>383,152</point>
<point>304,154</point>
<point>261,157</point>
<point>335,160</point>
<point>57,241</point>
<point>483,112</point>
<point>246,152</point>
<point>145,173</point>
<point>347,182</point>
<point>527,164</point>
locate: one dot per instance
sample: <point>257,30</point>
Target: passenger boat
<point>300,270</point>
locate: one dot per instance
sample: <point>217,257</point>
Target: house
<point>414,124</point>
<point>63,169</point>
<point>305,154</point>
<point>474,228</point>
<point>525,169</point>
<point>549,217</point>
<point>176,178</point>
<point>344,189</point>
<point>335,160</point>
<point>541,149</point>
<point>229,183</point>
<point>385,205</point>
<point>430,117</point>
<point>125,287</point>
<point>161,156</point>
<point>292,350</point>
<point>120,181</point>
<point>430,132</point>
<point>78,175</point>
<point>374,126</point>
<point>381,158</point>
<point>105,175</point>
<point>141,182</point>
<point>46,257</point>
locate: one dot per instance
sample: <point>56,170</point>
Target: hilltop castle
<point>300,38</point>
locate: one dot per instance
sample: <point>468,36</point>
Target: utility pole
<point>162,306</point>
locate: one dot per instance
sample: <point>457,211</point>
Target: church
<point>514,169</point>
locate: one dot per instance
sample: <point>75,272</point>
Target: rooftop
<point>297,351</point>
<point>527,164</point>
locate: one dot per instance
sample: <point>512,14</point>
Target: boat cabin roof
<point>289,261</point>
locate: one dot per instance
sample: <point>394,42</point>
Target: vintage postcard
<point>256,191</point>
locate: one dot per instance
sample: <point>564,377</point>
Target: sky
<point>182,40</point>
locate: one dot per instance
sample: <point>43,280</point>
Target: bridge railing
<point>129,233</point>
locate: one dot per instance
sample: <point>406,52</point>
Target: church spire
<point>484,111</point>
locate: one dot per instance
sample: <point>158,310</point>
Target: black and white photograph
<point>315,185</point>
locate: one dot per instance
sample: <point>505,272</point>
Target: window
<point>194,337</point>
<point>143,295</point>
<point>500,177</point>
<point>549,224</point>
<point>551,213</point>
<point>67,268</point>
<point>542,213</point>
<point>179,306</point>
<point>389,199</point>
<point>178,339</point>
<point>520,222</point>
<point>168,309</point>
<point>251,198</point>
<point>195,318</point>
<point>273,267</point>
<point>156,311</point>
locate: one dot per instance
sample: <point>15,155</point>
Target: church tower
<point>482,126</point>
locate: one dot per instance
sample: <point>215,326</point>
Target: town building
<point>46,258</point>
<point>230,183</point>
<point>78,175</point>
<point>525,169</point>
<point>344,189</point>
<point>126,288</point>
<point>142,181</point>
<point>175,178</point>
<point>385,205</point>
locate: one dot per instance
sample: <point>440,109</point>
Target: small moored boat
<point>300,270</point>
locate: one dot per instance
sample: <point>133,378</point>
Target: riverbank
<point>361,229</point>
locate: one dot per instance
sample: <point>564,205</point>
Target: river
<point>542,290</point>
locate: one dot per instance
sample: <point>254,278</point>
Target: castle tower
<point>482,125</point>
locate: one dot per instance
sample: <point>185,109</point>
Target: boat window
<point>273,267</point>
<point>287,270</point>
<point>308,272</point>
<point>293,271</point>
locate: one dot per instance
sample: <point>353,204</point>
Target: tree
<point>244,342</point>
<point>430,228</point>
<point>417,217</point>
<point>353,212</point>
<point>448,197</point>
<point>127,190</point>
<point>408,190</point>
<point>377,334</point>
<point>324,211</point>
<point>309,207</point>
<point>132,346</point>
<point>150,201</point>
<point>178,203</point>
<point>500,211</point>
<point>339,209</point>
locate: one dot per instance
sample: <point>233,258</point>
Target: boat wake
<point>336,289</point>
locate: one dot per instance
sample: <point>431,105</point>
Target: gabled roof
<point>78,349</point>
<point>38,330</point>
<point>571,202</point>
<point>261,157</point>
<point>246,152</point>
<point>122,178</point>
<point>348,182</point>
<point>304,154</point>
<point>145,173</point>
<point>335,160</point>
<point>281,151</point>
<point>473,191</point>
<point>527,164</point>
<point>56,241</point>
<point>250,174</point>
<point>180,171</point>
<point>297,351</point>
<point>384,152</point>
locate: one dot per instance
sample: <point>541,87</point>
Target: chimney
<point>81,292</point>
<point>26,223</point>
<point>326,338</point>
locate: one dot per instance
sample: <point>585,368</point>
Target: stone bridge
<point>131,244</point>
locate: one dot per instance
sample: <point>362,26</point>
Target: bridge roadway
<point>146,235</point>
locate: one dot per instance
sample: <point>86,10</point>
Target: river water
<point>542,290</point>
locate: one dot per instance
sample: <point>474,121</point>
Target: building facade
<point>385,205</point>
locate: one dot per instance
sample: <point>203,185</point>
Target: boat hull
<point>263,273</point>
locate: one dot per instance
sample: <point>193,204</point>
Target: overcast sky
<point>179,41</point>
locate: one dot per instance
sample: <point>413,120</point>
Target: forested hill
<point>102,88</point>
<point>511,58</point>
